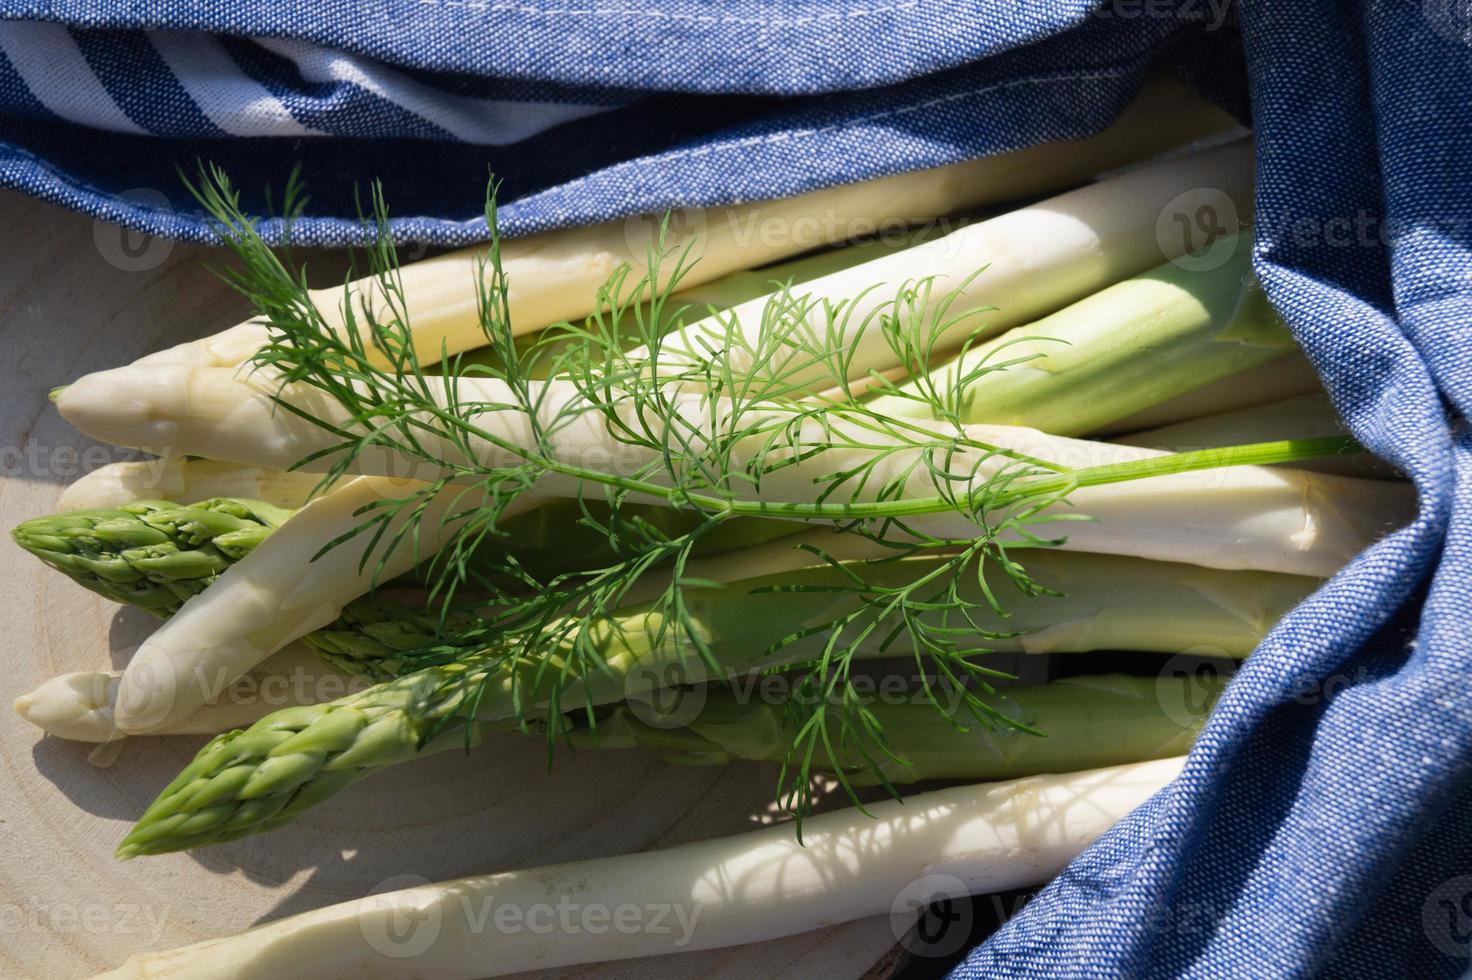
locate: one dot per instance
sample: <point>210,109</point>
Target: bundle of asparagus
<point>600,532</point>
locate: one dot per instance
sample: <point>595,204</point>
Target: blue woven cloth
<point>1321,825</point>
<point>583,112</point>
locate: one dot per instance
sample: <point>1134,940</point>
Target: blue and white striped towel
<point>185,84</point>
<point>88,114</point>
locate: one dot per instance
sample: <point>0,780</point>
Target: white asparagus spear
<point>1272,519</point>
<point>748,888</point>
<point>79,706</point>
<point>556,275</point>
<point>1037,260</point>
<point>278,593</point>
<point>185,481</point>
<point>1237,517</point>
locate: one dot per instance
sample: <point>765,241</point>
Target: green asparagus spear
<point>151,554</point>
<point>250,781</point>
<point>254,780</point>
<point>372,635</point>
<point>1105,720</point>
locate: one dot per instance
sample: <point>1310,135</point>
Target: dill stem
<point>1252,454</point>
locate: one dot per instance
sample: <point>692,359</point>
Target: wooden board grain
<point>78,295</point>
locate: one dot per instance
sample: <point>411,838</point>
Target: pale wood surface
<point>67,908</point>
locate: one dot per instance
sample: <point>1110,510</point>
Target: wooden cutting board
<point>77,296</point>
